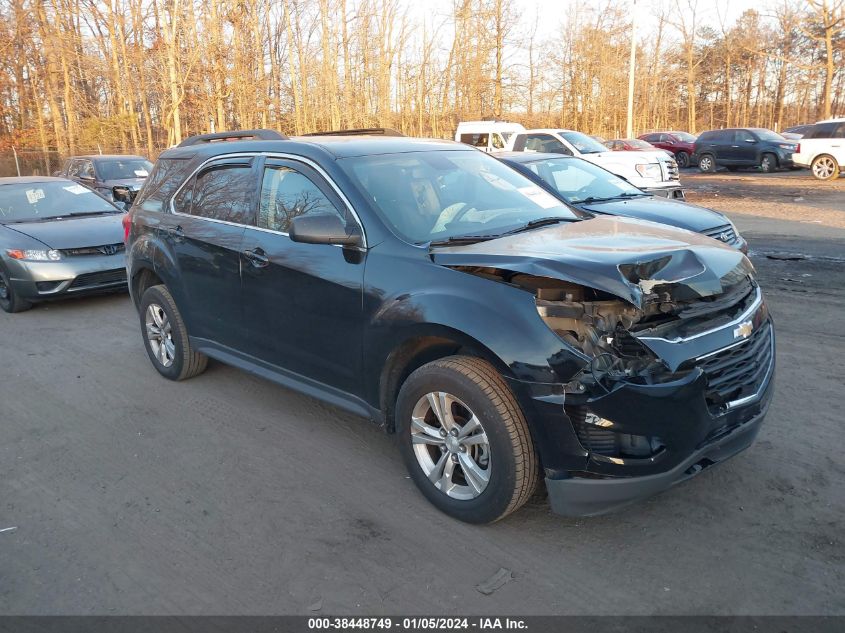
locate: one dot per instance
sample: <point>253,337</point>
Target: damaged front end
<point>675,367</point>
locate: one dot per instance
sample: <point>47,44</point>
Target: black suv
<point>501,334</point>
<point>105,172</point>
<point>743,147</point>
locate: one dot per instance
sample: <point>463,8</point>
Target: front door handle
<point>257,257</point>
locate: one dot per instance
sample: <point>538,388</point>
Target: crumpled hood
<point>622,256</point>
<point>680,214</point>
<point>95,230</point>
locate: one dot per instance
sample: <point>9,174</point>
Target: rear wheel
<point>768,163</point>
<point>166,338</point>
<point>465,441</point>
<point>825,167</point>
<point>682,158</point>
<point>9,299</point>
<point>707,164</point>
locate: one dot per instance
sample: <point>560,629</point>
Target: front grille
<point>724,233</point>
<point>104,278</point>
<point>105,249</point>
<point>671,170</point>
<point>738,371</point>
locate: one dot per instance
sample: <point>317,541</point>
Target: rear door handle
<point>257,257</point>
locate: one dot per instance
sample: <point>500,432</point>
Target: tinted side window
<point>822,130</point>
<point>286,194</point>
<point>86,169</point>
<point>840,131</point>
<point>651,138</point>
<point>73,169</point>
<point>706,137</point>
<point>162,182</point>
<point>476,140</point>
<point>543,143</point>
<point>225,192</point>
<point>741,136</point>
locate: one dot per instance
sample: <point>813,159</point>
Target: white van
<point>490,136</point>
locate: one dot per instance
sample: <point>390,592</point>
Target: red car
<point>631,145</point>
<point>678,143</point>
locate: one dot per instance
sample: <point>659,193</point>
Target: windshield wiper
<point>533,224</point>
<point>463,239</point>
<point>621,196</point>
<point>79,214</point>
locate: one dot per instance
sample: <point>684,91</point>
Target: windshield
<point>684,137</point>
<point>583,143</point>
<point>437,195</point>
<point>124,168</point>
<point>24,202</point>
<point>577,180</point>
<point>768,135</point>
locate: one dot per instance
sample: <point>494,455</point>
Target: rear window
<point>165,178</point>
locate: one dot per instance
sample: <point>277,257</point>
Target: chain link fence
<point>46,162</point>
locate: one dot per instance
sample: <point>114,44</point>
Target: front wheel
<point>682,159</point>
<point>825,167</point>
<point>166,338</point>
<point>9,299</point>
<point>707,164</point>
<point>465,441</point>
<point>768,163</point>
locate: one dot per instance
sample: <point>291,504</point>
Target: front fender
<point>479,312</point>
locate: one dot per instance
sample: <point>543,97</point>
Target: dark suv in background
<point>743,147</point>
<point>104,172</point>
<point>426,285</point>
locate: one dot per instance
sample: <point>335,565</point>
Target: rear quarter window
<point>822,130</point>
<point>165,178</point>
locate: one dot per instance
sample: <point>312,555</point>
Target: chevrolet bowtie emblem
<point>744,330</point>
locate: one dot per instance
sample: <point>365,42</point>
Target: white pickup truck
<point>654,172</point>
<point>822,149</point>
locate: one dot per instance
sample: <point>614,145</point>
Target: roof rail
<point>368,131</point>
<point>239,135</point>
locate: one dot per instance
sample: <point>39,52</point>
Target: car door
<point>204,232</point>
<point>302,302</point>
<point>744,148</point>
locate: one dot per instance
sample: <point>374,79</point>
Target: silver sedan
<point>57,239</point>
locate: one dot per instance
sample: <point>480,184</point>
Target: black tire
<point>768,163</point>
<point>682,159</point>
<point>513,463</point>
<point>707,163</point>
<point>9,299</point>
<point>186,363</point>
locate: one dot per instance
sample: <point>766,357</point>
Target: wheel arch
<point>419,348</point>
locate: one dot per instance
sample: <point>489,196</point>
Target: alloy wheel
<point>159,335</point>
<point>706,163</point>
<point>824,167</point>
<point>767,164</point>
<point>450,445</point>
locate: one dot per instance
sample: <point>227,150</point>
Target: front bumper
<point>672,191</point>
<point>689,429</point>
<point>81,275</point>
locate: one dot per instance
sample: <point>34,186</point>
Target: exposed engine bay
<point>605,328</point>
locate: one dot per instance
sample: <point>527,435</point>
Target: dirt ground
<point>225,494</point>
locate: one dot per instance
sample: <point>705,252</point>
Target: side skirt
<point>297,382</point>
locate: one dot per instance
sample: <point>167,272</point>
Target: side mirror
<point>324,229</point>
<point>122,194</point>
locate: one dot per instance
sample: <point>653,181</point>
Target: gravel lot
<point>229,495</point>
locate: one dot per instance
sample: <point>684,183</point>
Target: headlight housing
<point>34,255</point>
<point>649,170</point>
